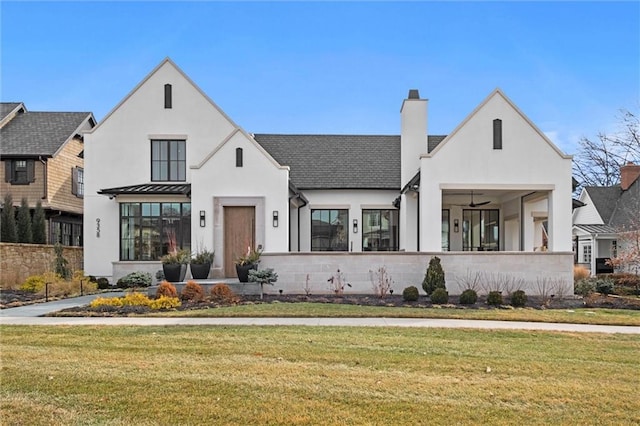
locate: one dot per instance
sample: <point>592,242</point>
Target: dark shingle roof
<point>39,133</point>
<point>604,199</point>
<point>433,141</point>
<point>339,161</point>
<point>627,208</point>
<point>6,108</point>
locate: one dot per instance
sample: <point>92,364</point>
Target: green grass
<point>312,310</point>
<point>315,375</point>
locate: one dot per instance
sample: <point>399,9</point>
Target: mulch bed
<point>13,298</point>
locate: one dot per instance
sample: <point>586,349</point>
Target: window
<point>586,253</point>
<point>614,248</point>
<point>329,230</point>
<point>445,230</point>
<point>167,96</point>
<point>497,134</point>
<point>480,230</point>
<point>149,230</point>
<point>238,157</point>
<point>66,233</point>
<point>77,182</point>
<point>19,172</point>
<point>168,160</point>
<point>380,230</point>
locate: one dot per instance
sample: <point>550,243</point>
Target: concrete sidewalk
<point>30,315</point>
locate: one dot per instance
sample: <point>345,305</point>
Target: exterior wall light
<point>203,220</point>
<point>275,218</point>
<point>355,226</point>
<point>456,225</point>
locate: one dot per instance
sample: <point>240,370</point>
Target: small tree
<point>39,225</point>
<point>24,223</point>
<point>60,264</point>
<point>262,277</point>
<point>8,231</point>
<point>434,278</point>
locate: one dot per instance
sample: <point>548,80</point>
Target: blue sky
<point>334,67</point>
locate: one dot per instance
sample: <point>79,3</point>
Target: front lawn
<point>315,375</point>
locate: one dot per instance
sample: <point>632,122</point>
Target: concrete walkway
<point>31,315</point>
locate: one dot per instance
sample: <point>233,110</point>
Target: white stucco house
<point>168,162</point>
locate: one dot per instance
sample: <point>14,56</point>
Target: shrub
<point>103,283</point>
<point>25,235</point>
<point>165,302</point>
<point>221,293</point>
<point>604,285</point>
<point>440,296</point>
<point>518,298</point>
<point>468,297</point>
<point>135,279</point>
<point>33,284</point>
<point>192,292</point>
<point>166,289</point>
<point>410,294</point>
<point>106,301</point>
<point>434,277</point>
<point>9,231</point>
<point>626,284</point>
<point>39,225</point>
<point>579,273</point>
<point>584,287</point>
<point>60,264</point>
<point>136,299</point>
<point>494,298</point>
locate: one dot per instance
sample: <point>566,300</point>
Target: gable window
<point>77,182</point>
<point>329,228</point>
<point>19,172</point>
<point>238,157</point>
<point>148,231</point>
<point>497,134</point>
<point>380,230</point>
<point>168,160</point>
<point>480,230</point>
<point>167,96</point>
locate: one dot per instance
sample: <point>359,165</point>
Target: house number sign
<point>98,227</point>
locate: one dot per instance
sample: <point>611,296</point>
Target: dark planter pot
<point>200,271</point>
<point>243,271</point>
<point>174,273</point>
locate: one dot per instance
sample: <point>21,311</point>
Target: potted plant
<point>174,265</point>
<point>201,264</point>
<point>247,262</point>
<point>263,276</point>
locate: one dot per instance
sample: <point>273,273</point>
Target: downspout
<point>45,194</point>
<point>299,230</point>
<point>418,221</point>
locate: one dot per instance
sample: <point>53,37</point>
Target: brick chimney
<point>629,173</point>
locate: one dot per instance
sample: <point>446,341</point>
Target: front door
<point>239,235</point>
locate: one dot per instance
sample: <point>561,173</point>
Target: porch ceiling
<point>462,197</point>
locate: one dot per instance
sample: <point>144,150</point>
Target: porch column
<point>560,218</point>
<point>430,218</point>
<point>409,221</point>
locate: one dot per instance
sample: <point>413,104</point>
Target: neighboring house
<point>607,211</point>
<point>167,164</point>
<point>41,158</point>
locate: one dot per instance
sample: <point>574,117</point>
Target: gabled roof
<point>604,199</point>
<point>7,108</point>
<point>41,133</point>
<point>339,161</point>
<point>627,209</point>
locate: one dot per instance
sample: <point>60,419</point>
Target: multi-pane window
<point>380,230</point>
<point>480,230</point>
<point>77,185</point>
<point>150,230</point>
<point>329,230</point>
<point>586,253</point>
<point>168,160</point>
<point>66,233</point>
<point>445,230</point>
<point>19,172</point>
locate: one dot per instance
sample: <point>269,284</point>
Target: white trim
<point>168,136</point>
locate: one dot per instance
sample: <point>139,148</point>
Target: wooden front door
<point>239,234</point>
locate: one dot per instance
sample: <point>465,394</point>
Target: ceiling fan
<point>482,203</point>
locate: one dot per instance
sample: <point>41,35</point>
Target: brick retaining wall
<point>19,261</point>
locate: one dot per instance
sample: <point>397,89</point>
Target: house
<point>41,158</point>
<point>168,165</point>
<point>606,212</point>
